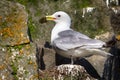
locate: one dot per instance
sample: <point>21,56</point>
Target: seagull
<point>70,43</point>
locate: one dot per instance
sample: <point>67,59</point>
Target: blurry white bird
<point>72,44</point>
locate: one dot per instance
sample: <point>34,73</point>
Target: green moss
<point>33,1</point>
<point>20,57</point>
<point>19,47</point>
<point>46,78</point>
<point>14,70</point>
<point>38,13</point>
<point>26,72</point>
<point>4,24</point>
<point>79,4</point>
<point>85,3</point>
<point>32,27</point>
<point>25,2</point>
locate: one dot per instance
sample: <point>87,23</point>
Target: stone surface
<point>98,63</point>
<point>13,24</point>
<point>45,57</point>
<point>66,72</point>
<point>74,72</point>
<point>18,63</point>
<point>17,54</point>
<point>105,37</point>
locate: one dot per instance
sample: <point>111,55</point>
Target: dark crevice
<point>39,59</point>
<point>29,34</point>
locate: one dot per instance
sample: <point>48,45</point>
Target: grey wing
<point>72,33</point>
<point>70,42</point>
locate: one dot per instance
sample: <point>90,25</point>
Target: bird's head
<point>59,16</point>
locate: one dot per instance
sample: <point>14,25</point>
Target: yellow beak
<point>50,18</point>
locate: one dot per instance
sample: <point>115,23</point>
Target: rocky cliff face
<point>22,37</point>
<point>18,59</point>
<point>13,22</point>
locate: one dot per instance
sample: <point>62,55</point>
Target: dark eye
<point>59,15</point>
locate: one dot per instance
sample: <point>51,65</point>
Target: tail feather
<point>101,52</point>
<point>105,54</point>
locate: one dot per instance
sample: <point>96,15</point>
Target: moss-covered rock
<point>18,55</point>
<point>18,62</point>
<point>13,24</point>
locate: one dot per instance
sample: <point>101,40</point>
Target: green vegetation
<point>32,27</point>
<point>14,70</point>
<point>26,72</point>
<point>85,3</point>
<point>19,47</point>
<point>79,4</point>
<point>46,78</point>
<point>28,3</point>
<point>25,2</point>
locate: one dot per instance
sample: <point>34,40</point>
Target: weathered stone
<point>105,37</point>
<point>66,72</point>
<point>97,62</point>
<point>45,57</point>
<point>73,72</point>
<point>18,59</point>
<point>18,63</point>
<point>49,58</point>
<point>13,24</point>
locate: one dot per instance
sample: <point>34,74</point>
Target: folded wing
<point>70,40</point>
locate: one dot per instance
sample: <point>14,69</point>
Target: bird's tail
<point>102,53</point>
<point>105,54</point>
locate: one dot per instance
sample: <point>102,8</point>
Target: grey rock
<point>13,24</point>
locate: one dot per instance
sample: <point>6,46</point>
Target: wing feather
<point>70,41</point>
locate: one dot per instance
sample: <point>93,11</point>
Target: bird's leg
<point>72,59</point>
<point>72,62</point>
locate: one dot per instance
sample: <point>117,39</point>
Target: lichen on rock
<point>17,54</point>
<point>18,63</point>
<point>13,24</point>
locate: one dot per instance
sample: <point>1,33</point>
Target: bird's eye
<point>59,15</point>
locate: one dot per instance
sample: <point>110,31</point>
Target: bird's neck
<point>59,27</point>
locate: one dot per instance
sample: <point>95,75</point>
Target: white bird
<point>70,43</point>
